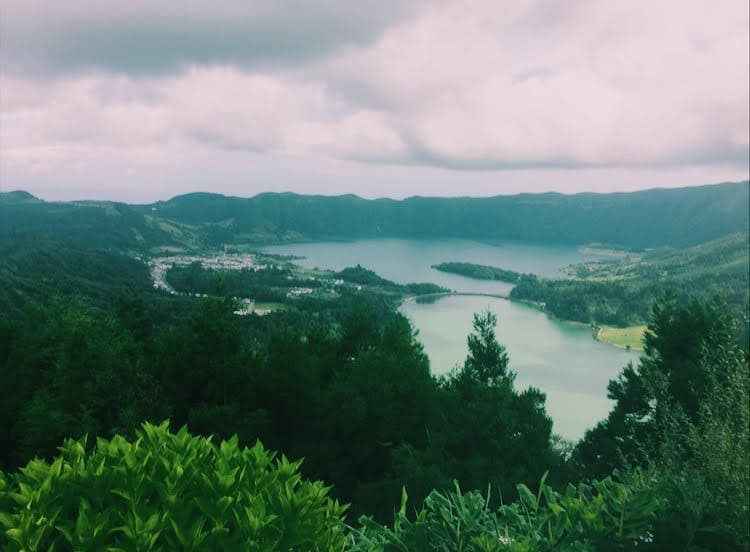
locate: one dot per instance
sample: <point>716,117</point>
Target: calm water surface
<point>558,357</point>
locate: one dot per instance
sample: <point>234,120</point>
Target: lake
<point>560,358</point>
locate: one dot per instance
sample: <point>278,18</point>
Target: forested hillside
<point>89,347</point>
<point>622,292</point>
<point>35,267</point>
<point>349,390</point>
<point>102,225</point>
<point>653,218</point>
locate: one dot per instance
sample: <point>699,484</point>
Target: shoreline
<point>596,331</point>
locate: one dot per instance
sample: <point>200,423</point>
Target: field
<point>625,338</point>
<point>269,306</point>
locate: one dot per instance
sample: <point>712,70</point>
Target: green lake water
<point>559,358</point>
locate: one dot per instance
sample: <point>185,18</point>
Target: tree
<point>490,433</point>
<point>684,410</point>
<point>72,370</point>
<point>681,364</point>
<point>487,361</point>
<point>204,360</point>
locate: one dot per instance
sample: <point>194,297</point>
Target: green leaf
<point>526,496</point>
<point>404,500</point>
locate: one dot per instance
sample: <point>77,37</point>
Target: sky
<point>141,100</point>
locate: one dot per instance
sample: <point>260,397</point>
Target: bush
<point>167,491</point>
<point>606,515</point>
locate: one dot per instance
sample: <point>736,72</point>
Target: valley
<point>608,291</point>
<point>334,276</point>
<point>559,358</point>
<point>404,359</point>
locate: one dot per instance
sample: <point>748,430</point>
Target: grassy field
<point>314,272</point>
<point>625,338</point>
<point>271,307</point>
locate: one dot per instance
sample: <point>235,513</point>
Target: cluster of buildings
<point>159,266</point>
<point>296,292</point>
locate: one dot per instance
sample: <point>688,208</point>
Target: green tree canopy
<point>487,360</point>
<point>684,410</point>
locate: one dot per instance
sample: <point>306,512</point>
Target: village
<point>159,266</point>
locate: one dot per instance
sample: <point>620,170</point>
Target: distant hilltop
<point>18,195</point>
<point>674,217</point>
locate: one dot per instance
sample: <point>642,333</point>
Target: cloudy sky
<point>142,100</point>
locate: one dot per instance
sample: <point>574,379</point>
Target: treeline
<point>684,412</point>
<point>105,225</point>
<point>348,390</point>
<point>34,266</point>
<point>480,272</point>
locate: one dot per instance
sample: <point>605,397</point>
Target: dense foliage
<point>167,491</point>
<point>622,293</point>
<point>606,515</point>
<point>266,284</point>
<point>35,267</point>
<point>480,272</point>
<point>105,225</point>
<point>684,410</point>
<point>349,390</point>
<point>274,283</point>
<point>360,275</point>
<point>87,346</point>
<point>592,302</point>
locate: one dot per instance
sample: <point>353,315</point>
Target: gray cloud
<point>149,37</point>
<point>534,84</point>
<point>476,87</point>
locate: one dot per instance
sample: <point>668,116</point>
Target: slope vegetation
<point>639,220</point>
<point>646,219</point>
<point>621,293</point>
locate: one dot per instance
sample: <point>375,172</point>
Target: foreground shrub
<point>167,491</point>
<point>606,515</point>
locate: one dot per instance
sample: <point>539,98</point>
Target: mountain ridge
<point>552,193</point>
<point>644,219</point>
<point>677,217</point>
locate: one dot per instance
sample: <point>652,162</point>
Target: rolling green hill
<point>622,292</point>
<point>34,267</point>
<point>92,224</point>
<point>638,220</point>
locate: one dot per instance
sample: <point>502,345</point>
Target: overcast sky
<point>140,100</point>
